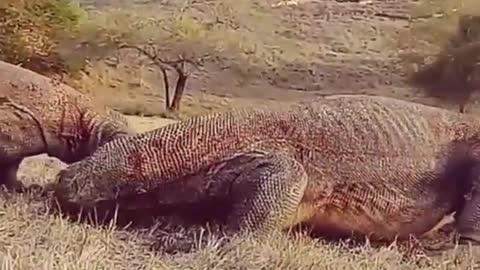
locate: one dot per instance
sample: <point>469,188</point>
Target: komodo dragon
<point>344,166</point>
<point>39,115</point>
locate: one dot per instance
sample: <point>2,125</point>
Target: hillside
<point>311,49</point>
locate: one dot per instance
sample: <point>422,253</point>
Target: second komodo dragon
<point>344,166</point>
<point>39,115</point>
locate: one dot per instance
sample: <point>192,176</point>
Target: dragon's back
<point>386,125</point>
<point>353,131</point>
<point>185,147</point>
<point>363,138</point>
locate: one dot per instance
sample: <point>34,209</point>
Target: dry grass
<point>30,239</point>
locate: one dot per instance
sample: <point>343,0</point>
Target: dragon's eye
<point>59,177</point>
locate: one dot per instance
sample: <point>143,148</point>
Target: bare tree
<point>180,65</point>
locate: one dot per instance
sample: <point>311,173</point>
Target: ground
<point>351,47</point>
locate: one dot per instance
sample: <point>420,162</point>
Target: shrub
<point>453,75</point>
<point>31,30</point>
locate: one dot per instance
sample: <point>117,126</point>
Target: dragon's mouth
<point>68,191</point>
<point>64,187</point>
<point>73,203</point>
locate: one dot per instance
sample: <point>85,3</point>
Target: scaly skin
<point>344,166</point>
<point>39,115</point>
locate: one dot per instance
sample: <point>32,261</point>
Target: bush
<point>31,30</point>
<point>454,33</point>
<point>454,75</point>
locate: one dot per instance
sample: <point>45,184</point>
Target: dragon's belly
<point>362,210</point>
<point>330,221</point>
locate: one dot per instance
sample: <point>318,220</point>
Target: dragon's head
<point>84,183</point>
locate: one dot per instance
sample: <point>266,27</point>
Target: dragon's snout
<point>75,185</point>
<point>66,186</point>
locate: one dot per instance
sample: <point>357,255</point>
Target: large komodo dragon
<point>39,115</point>
<point>345,166</point>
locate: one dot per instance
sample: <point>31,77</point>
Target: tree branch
<point>179,65</point>
<point>167,88</point>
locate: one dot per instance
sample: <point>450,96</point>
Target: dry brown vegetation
<point>248,53</point>
<point>444,59</point>
<point>30,31</point>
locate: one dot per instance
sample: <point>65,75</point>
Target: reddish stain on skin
<point>136,160</point>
